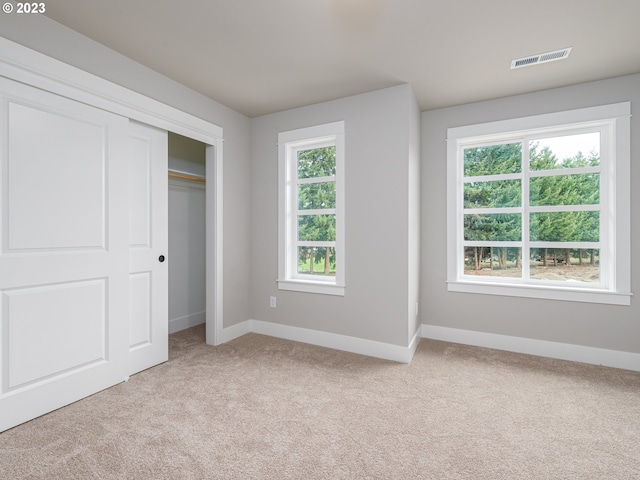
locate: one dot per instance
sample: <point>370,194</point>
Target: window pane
<point>496,227</point>
<point>556,264</point>
<point>583,189</point>
<point>317,260</point>
<point>317,162</point>
<point>493,160</point>
<point>317,195</point>
<point>493,261</point>
<point>570,151</point>
<point>500,193</point>
<point>564,227</point>
<point>317,228</point>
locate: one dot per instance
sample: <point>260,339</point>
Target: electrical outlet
<point>272,302</point>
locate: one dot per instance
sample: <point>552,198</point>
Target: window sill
<point>307,286</point>
<point>543,292</point>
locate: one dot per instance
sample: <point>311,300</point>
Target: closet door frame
<point>25,65</point>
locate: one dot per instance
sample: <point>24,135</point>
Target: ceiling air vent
<point>541,58</point>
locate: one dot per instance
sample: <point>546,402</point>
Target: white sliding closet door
<point>64,254</point>
<point>148,242</point>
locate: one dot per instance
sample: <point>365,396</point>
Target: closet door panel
<point>63,251</point>
<point>148,245</point>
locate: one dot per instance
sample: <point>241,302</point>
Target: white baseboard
<point>346,343</point>
<point>234,331</point>
<point>413,344</point>
<point>542,348</point>
<point>188,321</point>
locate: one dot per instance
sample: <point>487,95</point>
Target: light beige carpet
<point>264,408</point>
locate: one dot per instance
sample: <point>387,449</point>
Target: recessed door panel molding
<point>59,152</point>
<point>64,290</point>
<point>64,325</point>
<point>140,191</point>
<point>148,245</point>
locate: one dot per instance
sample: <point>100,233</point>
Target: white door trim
<point>214,252</point>
<point>36,69</point>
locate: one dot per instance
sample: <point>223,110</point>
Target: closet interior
<point>186,232</point>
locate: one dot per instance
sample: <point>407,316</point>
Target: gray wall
<point>605,326</point>
<point>46,36</point>
<point>378,148</point>
<point>381,211</point>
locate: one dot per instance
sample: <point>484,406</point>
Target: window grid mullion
<point>491,210</point>
<point>314,243</point>
<point>317,211</point>
<point>492,178</point>
<point>565,208</point>
<point>327,179</point>
<point>564,245</point>
<point>564,171</point>
<point>492,243</point>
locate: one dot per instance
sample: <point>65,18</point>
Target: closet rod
<point>186,176</point>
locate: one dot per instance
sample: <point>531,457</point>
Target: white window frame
<point>615,199</point>
<point>289,143</point>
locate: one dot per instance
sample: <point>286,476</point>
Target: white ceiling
<point>263,56</point>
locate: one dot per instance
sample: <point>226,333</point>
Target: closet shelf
<point>187,176</point>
